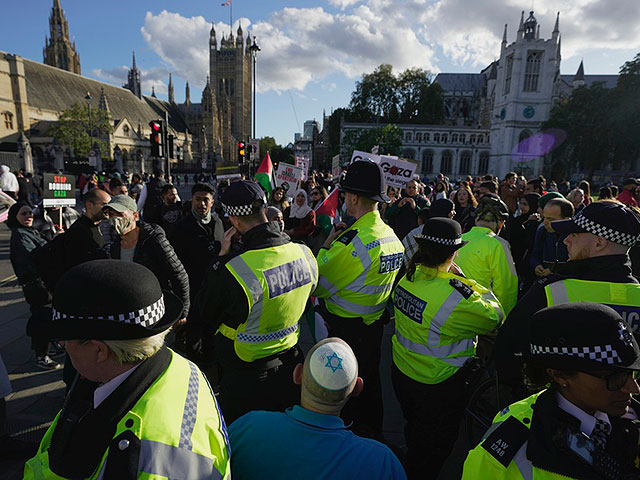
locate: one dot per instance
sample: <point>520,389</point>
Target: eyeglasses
<point>616,380</point>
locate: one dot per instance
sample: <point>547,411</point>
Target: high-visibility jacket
<point>277,282</point>
<point>487,260</point>
<point>482,464</point>
<point>358,270</point>
<point>438,316</point>
<point>622,297</point>
<point>181,431</point>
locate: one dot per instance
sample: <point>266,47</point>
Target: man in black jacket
<point>598,241</point>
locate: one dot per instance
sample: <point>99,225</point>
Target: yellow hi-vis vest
<point>438,317</point>
<point>624,298</point>
<point>180,427</point>
<point>277,282</point>
<point>357,272</point>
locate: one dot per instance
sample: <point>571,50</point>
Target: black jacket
<point>196,245</point>
<point>154,251</point>
<point>24,241</point>
<point>513,336</point>
<point>222,299</point>
<point>83,242</point>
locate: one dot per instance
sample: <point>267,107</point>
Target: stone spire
<point>187,94</point>
<point>521,27</point>
<point>103,104</point>
<point>578,80</point>
<point>556,27</point>
<point>59,51</point>
<point>170,89</point>
<point>153,91</point>
<point>213,42</point>
<point>133,79</point>
<point>504,35</point>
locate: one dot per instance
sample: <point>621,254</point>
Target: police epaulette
<point>549,279</point>
<point>465,290</point>
<point>347,237</point>
<point>505,441</point>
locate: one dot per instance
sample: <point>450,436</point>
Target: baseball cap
<point>121,203</point>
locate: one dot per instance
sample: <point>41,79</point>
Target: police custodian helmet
<point>365,178</point>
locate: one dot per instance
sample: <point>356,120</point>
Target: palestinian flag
<point>264,175</point>
<point>326,211</point>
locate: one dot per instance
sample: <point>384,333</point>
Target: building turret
<point>187,95</point>
<point>248,43</point>
<point>213,42</point>
<point>578,80</point>
<point>170,90</point>
<point>521,27</point>
<point>59,51</point>
<point>103,104</point>
<point>556,28</point>
<point>133,79</point>
<point>530,26</point>
<point>153,91</point>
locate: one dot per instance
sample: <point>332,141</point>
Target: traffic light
<point>170,143</point>
<point>156,138</point>
<point>240,152</point>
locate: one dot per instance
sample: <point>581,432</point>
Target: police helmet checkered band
<point>607,233</point>
<point>145,317</point>
<point>333,366</point>
<point>442,241</point>
<point>600,353</point>
<point>238,210</point>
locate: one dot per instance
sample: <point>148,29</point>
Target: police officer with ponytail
<point>250,306</point>
<point>438,315</point>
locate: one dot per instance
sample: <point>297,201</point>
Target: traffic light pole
<point>165,143</point>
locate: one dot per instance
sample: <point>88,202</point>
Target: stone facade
<point>59,51</point>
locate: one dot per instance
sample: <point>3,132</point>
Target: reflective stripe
<point>381,241</point>
<point>559,293</point>
<point>253,284</point>
<point>327,285</point>
<point>356,308</point>
<point>495,303</point>
<point>174,462</point>
<point>265,337</point>
<point>362,253</point>
<point>190,412</point>
<point>441,316</point>
<point>507,252</point>
<point>523,464</point>
<point>313,265</point>
<point>373,289</point>
<point>438,351</point>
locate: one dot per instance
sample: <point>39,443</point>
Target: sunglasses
<point>616,380</point>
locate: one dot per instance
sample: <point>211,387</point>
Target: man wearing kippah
<point>312,440</point>
<point>249,307</point>
<point>598,239</point>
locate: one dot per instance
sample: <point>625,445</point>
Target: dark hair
<point>430,255</point>
<point>566,207</point>
<point>423,214</point>
<point>537,183</point>
<point>12,216</point>
<point>166,189</point>
<point>614,190</point>
<point>487,178</point>
<point>202,187</point>
<point>536,377</point>
<point>491,186</point>
<point>605,192</point>
<point>585,187</point>
<point>510,175</point>
<point>115,182</point>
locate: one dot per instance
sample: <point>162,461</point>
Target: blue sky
<point>314,51</point>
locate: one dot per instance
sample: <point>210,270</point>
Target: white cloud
<point>156,77</point>
<point>342,4</point>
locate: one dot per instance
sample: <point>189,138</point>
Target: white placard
<point>288,176</point>
<point>397,173</point>
<point>303,162</point>
<point>335,166</point>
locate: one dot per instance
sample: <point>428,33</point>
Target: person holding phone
<point>585,424</point>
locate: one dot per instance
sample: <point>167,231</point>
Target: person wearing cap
<point>136,409</point>
<point>358,266</point>
<point>146,243</point>
<point>584,425</point>
<point>403,214</point>
<point>628,193</point>
<point>487,258</point>
<point>312,440</point>
<point>438,316</point>
<point>598,240</point>
<point>250,305</point>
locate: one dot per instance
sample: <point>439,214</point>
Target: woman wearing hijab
<point>299,218</point>
<point>523,234</point>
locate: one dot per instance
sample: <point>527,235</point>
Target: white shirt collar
<point>587,422</point>
<point>106,389</point>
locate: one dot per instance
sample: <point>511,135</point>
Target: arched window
<point>445,162</point>
<point>409,153</point>
<point>472,139</point>
<point>480,138</point>
<point>427,161</point>
<point>8,120</point>
<point>532,71</point>
<point>483,163</point>
<point>463,138</point>
<point>444,137</point>
<point>465,163</point>
<point>407,136</point>
<point>418,137</point>
<point>436,137</point>
<point>454,138</point>
<point>523,146</point>
<point>125,130</point>
<point>427,137</point>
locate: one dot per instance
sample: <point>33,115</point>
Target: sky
<point>313,52</point>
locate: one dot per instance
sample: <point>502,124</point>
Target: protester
<point>577,198</point>
<point>523,234</point>
<point>509,192</point>
<point>584,358</point>
<point>586,189</point>
<point>487,188</point>
<point>549,250</point>
<point>150,200</point>
<point>403,214</point>
<point>628,193</point>
<point>433,340</point>
<point>47,220</point>
<point>440,191</point>
<point>535,185</point>
<point>8,182</point>
<point>136,186</point>
<point>24,240</point>
<point>278,199</point>
<point>136,409</point>
<point>299,218</point>
<point>605,193</point>
<point>275,215</point>
<point>465,207</point>
<point>171,211</point>
<point>443,207</point>
<point>117,187</point>
<point>318,195</point>
<point>250,326</point>
<point>312,441</point>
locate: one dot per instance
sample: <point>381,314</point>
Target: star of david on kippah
<point>334,362</point>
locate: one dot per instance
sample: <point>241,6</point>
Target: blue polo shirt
<point>300,443</point>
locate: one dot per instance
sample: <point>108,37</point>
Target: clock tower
<point>527,77</point>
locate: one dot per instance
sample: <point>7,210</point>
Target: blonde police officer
<point>438,315</point>
<point>358,266</point>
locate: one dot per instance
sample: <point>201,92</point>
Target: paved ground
<point>39,395</point>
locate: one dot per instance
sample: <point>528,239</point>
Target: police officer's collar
<point>265,235</point>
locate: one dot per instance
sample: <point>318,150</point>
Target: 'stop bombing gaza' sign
<point>59,190</point>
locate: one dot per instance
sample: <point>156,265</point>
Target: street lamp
<point>88,99</point>
<point>254,49</point>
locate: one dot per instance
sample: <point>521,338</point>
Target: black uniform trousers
<point>433,414</point>
<point>365,410</point>
<point>261,385</point>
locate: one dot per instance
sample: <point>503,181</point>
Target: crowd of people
<point>542,272</point>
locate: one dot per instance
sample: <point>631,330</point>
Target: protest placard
<point>288,176</point>
<point>59,190</point>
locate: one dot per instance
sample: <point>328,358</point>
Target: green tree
<point>387,138</point>
<point>276,152</point>
<point>375,97</point>
<point>335,122</point>
<point>624,115</point>
<point>75,130</point>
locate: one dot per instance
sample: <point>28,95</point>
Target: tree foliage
<point>388,138</point>
<point>75,130</point>
<point>277,152</point>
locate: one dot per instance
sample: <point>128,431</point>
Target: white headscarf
<point>297,211</point>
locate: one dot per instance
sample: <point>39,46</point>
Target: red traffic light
<point>155,126</point>
<point>240,145</point>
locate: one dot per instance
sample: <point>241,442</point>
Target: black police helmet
<point>365,178</point>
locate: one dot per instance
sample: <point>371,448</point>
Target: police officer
<point>584,425</point>
<point>598,240</point>
<point>136,409</point>
<point>358,266</point>
<point>250,306</point>
<point>438,316</point>
<point>487,257</point>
